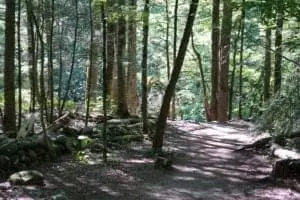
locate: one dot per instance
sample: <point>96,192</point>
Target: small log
<point>286,168</point>
<point>60,122</point>
<point>258,144</point>
<point>283,153</point>
<point>127,138</point>
<point>162,163</point>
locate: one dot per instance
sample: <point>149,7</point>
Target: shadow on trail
<point>205,166</point>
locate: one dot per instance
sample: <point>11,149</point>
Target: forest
<point>149,99</point>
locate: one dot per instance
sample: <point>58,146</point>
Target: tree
<point>90,67</point>
<point>19,67</point>
<point>278,44</point>
<point>104,71</point>
<point>224,62</point>
<point>241,59</point>
<point>132,97</point>
<point>9,120</point>
<point>122,108</point>
<point>161,123</point>
<point>267,64</point>
<point>144,65</point>
<point>215,39</point>
<point>73,59</point>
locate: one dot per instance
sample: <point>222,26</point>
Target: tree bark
<point>144,65</point>
<point>162,119</point>
<point>90,67</point>
<point>215,37</point>
<point>241,61</point>
<point>122,108</point>
<point>267,64</point>
<point>278,45</point>
<point>9,120</point>
<point>73,59</point>
<point>132,97</point>
<point>232,81</point>
<point>111,44</point>
<point>224,65</point>
<point>19,67</point>
<point>104,71</point>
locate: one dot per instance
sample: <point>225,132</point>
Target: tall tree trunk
<point>90,68</point>
<point>132,97</point>
<point>9,120</point>
<point>32,60</point>
<point>111,33</point>
<point>215,37</point>
<point>224,65</point>
<point>173,107</point>
<point>278,45</point>
<point>167,40</point>
<point>104,71</point>
<point>19,67</point>
<point>267,64</point>
<point>198,55</point>
<point>73,59</point>
<point>60,66</point>
<point>232,81</point>
<point>145,65</point>
<point>122,108</point>
<point>162,119</point>
<point>50,28</point>
<point>241,61</point>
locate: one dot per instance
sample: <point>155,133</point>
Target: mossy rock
<point>15,160</point>
<point>32,155</point>
<point>5,163</point>
<point>9,147</point>
<point>27,177</point>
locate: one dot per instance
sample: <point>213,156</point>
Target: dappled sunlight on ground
<point>205,166</point>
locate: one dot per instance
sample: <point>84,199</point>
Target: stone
<point>5,185</point>
<point>86,131</point>
<point>32,155</point>
<point>5,162</point>
<point>71,131</point>
<point>9,147</point>
<point>27,177</point>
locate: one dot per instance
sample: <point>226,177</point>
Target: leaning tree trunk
<point>73,59</point>
<point>215,37</point>
<point>224,65</point>
<point>198,55</point>
<point>278,45</point>
<point>162,119</point>
<point>9,120</point>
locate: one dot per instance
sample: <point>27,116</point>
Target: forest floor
<point>206,166</point>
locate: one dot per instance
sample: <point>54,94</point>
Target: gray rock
<point>5,185</point>
<point>27,177</point>
<point>5,162</point>
<point>9,147</point>
<point>86,131</point>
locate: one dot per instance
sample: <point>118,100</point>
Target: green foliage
<point>282,113</point>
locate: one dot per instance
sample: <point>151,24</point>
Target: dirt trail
<point>206,166</point>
